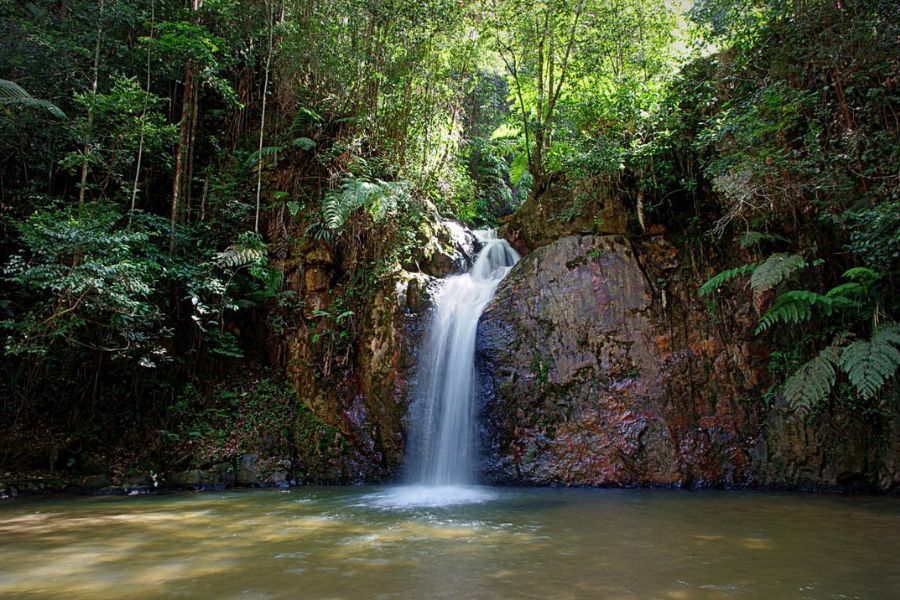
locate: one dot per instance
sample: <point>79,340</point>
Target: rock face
<point>593,375</point>
<point>367,402</point>
<point>557,210</point>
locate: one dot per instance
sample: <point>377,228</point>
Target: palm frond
<point>12,93</point>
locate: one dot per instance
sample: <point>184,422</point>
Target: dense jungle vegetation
<point>163,161</point>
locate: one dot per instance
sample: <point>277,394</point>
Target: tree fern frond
<point>794,307</point>
<point>380,198</point>
<point>13,93</point>
<point>869,364</point>
<point>717,281</point>
<point>774,270</point>
<point>237,256</point>
<point>847,290</point>
<point>249,250</point>
<point>862,274</point>
<point>812,382</point>
<point>753,238</point>
<point>888,333</point>
<point>263,152</point>
<point>304,143</point>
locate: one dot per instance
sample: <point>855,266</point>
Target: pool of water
<point>491,543</point>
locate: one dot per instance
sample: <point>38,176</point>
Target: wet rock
<point>90,484</point>
<point>598,366</point>
<point>444,247</point>
<point>248,472</point>
<point>187,478</point>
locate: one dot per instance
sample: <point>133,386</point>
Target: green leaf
<point>774,270</point>
<point>714,283</point>
<point>12,93</point>
<point>753,238</point>
<point>794,307</point>
<point>869,364</point>
<point>304,143</point>
<point>862,274</point>
<point>812,382</point>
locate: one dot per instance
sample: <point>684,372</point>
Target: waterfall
<point>443,428</point>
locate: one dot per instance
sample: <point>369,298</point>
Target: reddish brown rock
<point>599,366</point>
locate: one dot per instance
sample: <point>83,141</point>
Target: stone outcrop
<point>557,210</point>
<point>598,366</point>
<point>362,389</point>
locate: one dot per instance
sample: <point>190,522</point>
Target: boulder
<point>593,373</point>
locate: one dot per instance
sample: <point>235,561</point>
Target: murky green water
<point>523,543</point>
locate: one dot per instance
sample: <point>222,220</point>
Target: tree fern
<point>12,93</point>
<point>717,281</point>
<point>379,198</point>
<point>811,383</point>
<point>262,153</point>
<point>753,238</point>
<point>794,307</point>
<point>249,250</point>
<point>774,270</point>
<point>862,275</point>
<point>888,333</point>
<point>870,364</point>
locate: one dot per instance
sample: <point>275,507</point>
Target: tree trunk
<point>90,122</point>
<point>137,170</point>
<point>262,120</point>
<point>188,110</point>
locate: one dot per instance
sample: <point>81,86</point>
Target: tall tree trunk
<point>137,170</point>
<point>262,119</point>
<point>90,122</point>
<point>188,110</point>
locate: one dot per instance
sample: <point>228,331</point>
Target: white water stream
<point>442,448</point>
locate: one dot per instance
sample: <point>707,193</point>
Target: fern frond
<point>888,333</point>
<point>774,270</point>
<point>847,290</point>
<point>753,238</point>
<point>304,143</point>
<point>717,281</point>
<point>263,152</point>
<point>794,307</point>
<point>812,382</point>
<point>249,250</point>
<point>13,93</point>
<point>380,198</point>
<point>869,364</point>
<point>862,274</point>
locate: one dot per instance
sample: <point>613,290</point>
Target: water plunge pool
<point>505,543</point>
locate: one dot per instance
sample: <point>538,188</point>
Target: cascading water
<point>440,456</point>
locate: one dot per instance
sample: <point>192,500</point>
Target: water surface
<point>507,543</point>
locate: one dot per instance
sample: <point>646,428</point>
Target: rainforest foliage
<point>161,162</point>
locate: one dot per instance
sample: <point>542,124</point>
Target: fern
<point>847,290</point>
<point>888,333</point>
<point>774,270</point>
<point>249,250</point>
<point>380,198</point>
<point>794,307</point>
<point>812,382</point>
<point>12,93</point>
<point>862,274</point>
<point>262,153</point>
<point>753,238</point>
<point>870,364</point>
<point>304,143</point>
<point>717,281</point>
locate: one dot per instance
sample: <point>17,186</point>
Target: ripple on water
<point>422,496</point>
